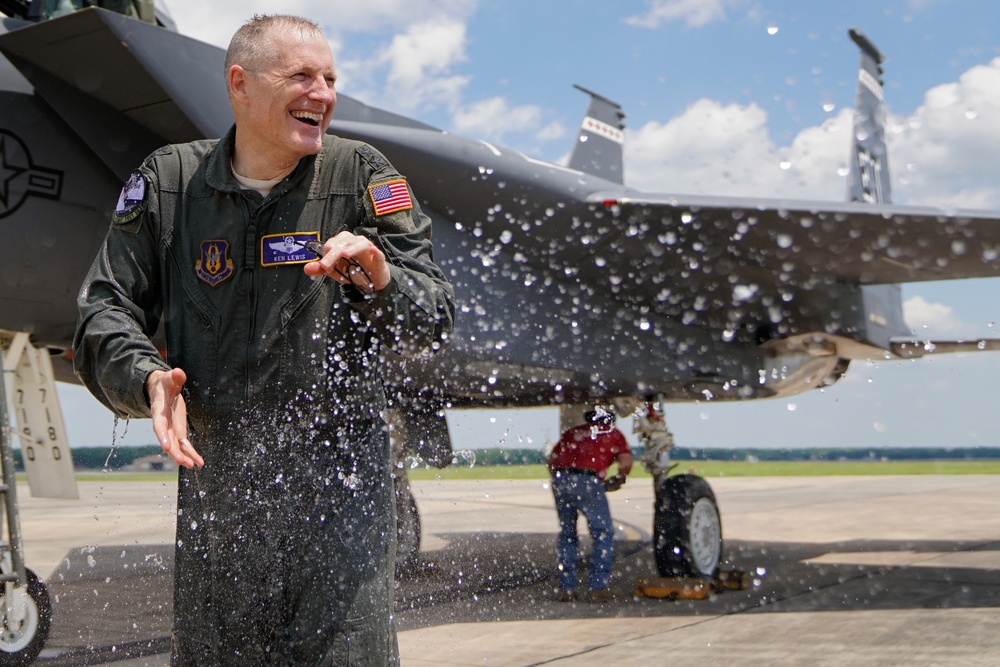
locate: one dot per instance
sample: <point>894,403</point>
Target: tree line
<point>101,458</point>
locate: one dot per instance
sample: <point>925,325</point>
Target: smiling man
<point>279,259</point>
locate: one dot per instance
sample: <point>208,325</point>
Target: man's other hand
<point>614,482</point>
<point>344,254</point>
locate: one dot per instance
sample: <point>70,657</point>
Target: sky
<point>726,97</point>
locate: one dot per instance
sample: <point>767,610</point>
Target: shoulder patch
<point>390,196</point>
<point>132,200</point>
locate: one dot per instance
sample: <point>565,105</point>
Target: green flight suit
<point>286,538</point>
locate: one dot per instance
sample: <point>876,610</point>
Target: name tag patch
<point>215,265</point>
<point>287,248</point>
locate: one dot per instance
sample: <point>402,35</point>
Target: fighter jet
<point>573,288</point>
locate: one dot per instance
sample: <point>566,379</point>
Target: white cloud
<point>727,150</point>
<point>492,118</point>
<point>695,13</point>
<point>419,63</point>
<point>932,319</point>
<point>946,152</point>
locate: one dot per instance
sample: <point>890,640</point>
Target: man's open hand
<point>169,412</point>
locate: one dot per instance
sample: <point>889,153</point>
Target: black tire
<point>22,644</point>
<point>687,528</point>
<point>407,528</point>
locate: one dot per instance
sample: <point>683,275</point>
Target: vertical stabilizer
<point>598,148</point>
<point>882,305</point>
<point>869,178</point>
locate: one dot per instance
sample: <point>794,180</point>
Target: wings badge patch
<point>390,197</point>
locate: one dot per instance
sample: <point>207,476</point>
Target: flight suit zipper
<point>250,250</point>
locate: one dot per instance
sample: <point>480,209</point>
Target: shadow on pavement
<point>111,603</point>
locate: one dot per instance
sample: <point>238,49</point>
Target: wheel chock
<point>732,580</point>
<point>674,588</point>
<point>691,588</point>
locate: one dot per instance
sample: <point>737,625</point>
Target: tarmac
<point>853,571</point>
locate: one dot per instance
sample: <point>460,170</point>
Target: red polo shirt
<point>589,446</point>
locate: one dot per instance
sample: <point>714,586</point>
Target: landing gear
<point>687,530</point>
<point>25,610</point>
<point>25,616</point>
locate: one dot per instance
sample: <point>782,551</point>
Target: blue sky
<point>737,97</point>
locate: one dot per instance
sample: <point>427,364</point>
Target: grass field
<point>741,469</point>
<point>707,469</point>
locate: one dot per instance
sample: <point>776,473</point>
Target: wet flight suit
<point>286,538</point>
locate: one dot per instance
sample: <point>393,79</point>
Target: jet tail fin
<point>869,176</point>
<point>598,148</point>
<point>869,183</point>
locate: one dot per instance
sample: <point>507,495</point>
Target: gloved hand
<point>614,482</point>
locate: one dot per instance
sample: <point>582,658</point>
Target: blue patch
<point>215,264</point>
<point>287,248</point>
<point>132,200</point>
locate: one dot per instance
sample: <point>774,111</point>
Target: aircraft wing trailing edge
<point>850,242</point>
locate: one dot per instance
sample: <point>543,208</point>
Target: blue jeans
<point>581,493</point>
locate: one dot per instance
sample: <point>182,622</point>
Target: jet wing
<point>801,242</point>
<point>124,86</point>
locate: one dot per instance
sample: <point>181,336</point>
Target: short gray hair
<point>249,45</point>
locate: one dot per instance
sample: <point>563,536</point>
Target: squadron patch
<point>132,200</point>
<point>390,197</point>
<point>287,248</point>
<point>215,264</point>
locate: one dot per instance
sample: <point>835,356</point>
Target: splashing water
<point>467,454</point>
<point>114,441</point>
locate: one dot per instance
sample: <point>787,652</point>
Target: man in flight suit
<point>279,259</point>
<point>579,464</point>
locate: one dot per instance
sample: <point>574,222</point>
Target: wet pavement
<point>844,570</point>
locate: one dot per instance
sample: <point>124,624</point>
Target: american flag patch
<point>390,197</point>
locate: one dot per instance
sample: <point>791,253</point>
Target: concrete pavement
<point>846,571</point>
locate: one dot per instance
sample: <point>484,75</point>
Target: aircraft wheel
<point>687,529</point>
<point>407,529</point>
<point>24,622</point>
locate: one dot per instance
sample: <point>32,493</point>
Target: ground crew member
<point>279,259</point>
<point>578,465</point>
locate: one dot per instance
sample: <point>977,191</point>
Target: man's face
<point>289,103</point>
